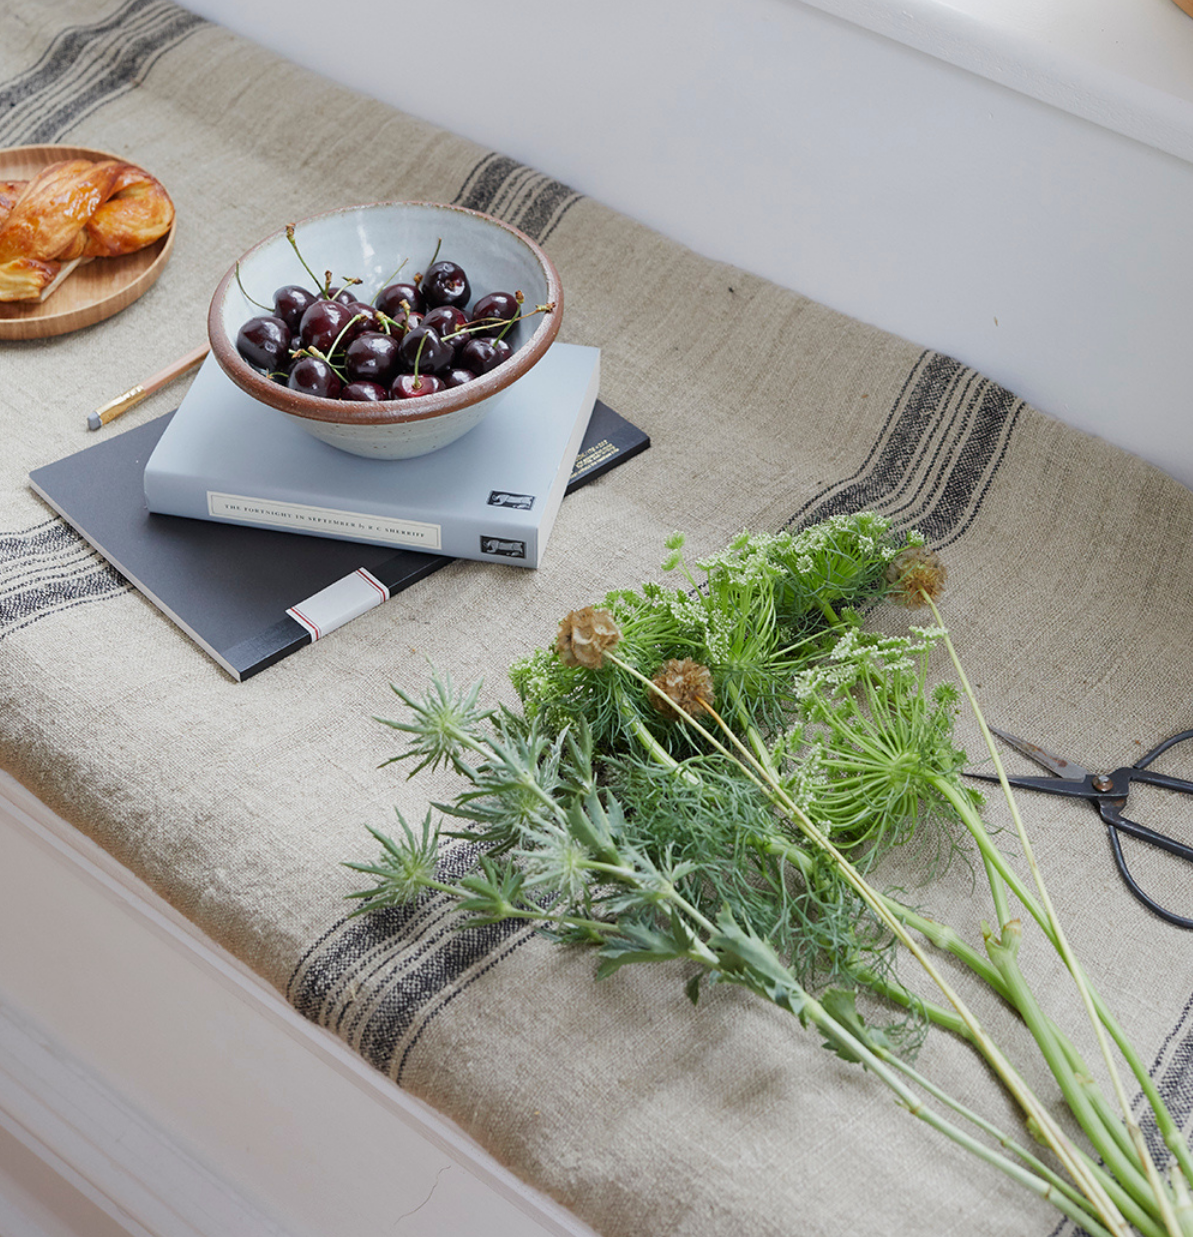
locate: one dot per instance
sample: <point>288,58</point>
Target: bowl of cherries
<point>387,330</point>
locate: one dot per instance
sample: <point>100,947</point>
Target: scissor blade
<point>1071,787</point>
<point>1043,757</point>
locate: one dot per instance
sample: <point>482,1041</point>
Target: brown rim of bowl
<point>391,411</point>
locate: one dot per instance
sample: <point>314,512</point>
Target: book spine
<point>501,537</point>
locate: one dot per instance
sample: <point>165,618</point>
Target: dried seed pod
<point>684,683</point>
<point>915,574</point>
<point>585,636</point>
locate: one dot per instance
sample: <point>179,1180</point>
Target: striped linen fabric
<point>1070,584</point>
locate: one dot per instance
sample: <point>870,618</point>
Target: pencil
<point>134,395</point>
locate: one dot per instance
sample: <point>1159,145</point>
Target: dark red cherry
<point>389,299</point>
<point>312,376</point>
<point>446,284</point>
<point>422,349</point>
<point>411,386</point>
<point>364,392</point>
<point>264,342</point>
<point>502,306</point>
<point>457,376</point>
<point>291,302</point>
<point>447,321</point>
<point>372,356</point>
<point>323,323</point>
<point>370,319</point>
<point>482,355</point>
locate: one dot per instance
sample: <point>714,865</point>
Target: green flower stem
<point>757,743</point>
<point>998,893</point>
<point>1061,944</point>
<point>1106,1111</point>
<point>1090,1179</point>
<point>1087,1176</point>
<point>1002,1139</point>
<point>1046,1187</point>
<point>1184,1203</point>
<point>1126,1168</point>
<point>652,745</point>
<point>896,992</point>
<point>948,939</point>
<point>1045,1184</point>
<point>1170,1132</point>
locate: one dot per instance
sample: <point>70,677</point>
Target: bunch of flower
<point>714,774</point>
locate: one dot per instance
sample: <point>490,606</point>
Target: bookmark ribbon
<point>339,603</point>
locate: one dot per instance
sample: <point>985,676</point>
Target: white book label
<point>299,516</point>
<point>339,603</point>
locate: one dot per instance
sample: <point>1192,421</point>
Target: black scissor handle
<point>1111,814</point>
<point>1110,810</point>
<point>1161,748</point>
<point>1147,835</point>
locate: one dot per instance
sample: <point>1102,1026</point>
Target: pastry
<point>74,210</point>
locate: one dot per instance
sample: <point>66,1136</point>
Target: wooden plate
<point>94,290</point>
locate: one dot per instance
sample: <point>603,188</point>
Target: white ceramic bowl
<point>369,242</point>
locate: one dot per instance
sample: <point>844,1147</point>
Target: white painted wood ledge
<point>171,1093</point>
<point>1125,65</point>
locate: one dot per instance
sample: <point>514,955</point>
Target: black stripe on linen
<point>87,66</point>
<point>378,979</point>
<point>935,456</point>
<point>47,569</point>
<point>530,201</point>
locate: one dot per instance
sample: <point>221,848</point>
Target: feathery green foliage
<point>712,780</point>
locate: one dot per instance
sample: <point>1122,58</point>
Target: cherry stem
<point>325,287</point>
<point>434,258</point>
<point>538,309</point>
<point>267,308</point>
<point>336,342</point>
<point>387,321</point>
<point>388,281</point>
<point>340,373</point>
<point>418,356</point>
<point>487,324</point>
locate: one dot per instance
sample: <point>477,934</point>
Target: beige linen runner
<point>1070,586</point>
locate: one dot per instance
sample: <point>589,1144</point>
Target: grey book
<point>491,495</point>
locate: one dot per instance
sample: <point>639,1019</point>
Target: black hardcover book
<point>242,593</point>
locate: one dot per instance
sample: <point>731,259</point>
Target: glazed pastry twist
<point>71,210</point>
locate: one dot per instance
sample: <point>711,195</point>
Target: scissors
<point>1108,793</point>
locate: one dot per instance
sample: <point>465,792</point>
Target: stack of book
<point>257,538</point>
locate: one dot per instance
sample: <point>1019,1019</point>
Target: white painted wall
<point>864,152</point>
